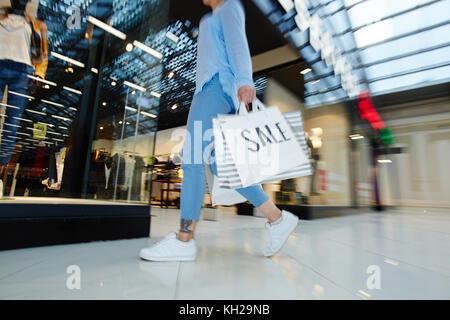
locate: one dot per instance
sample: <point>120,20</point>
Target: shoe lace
<point>164,240</point>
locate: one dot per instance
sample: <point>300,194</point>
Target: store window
<point>327,134</point>
<point>80,89</point>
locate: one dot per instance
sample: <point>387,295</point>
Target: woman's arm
<point>233,25</point>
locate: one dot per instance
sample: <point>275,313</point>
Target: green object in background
<point>386,136</point>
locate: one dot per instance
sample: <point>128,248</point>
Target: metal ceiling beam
<point>381,19</point>
<point>401,36</point>
<point>394,75</point>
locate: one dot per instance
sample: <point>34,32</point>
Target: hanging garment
<point>38,166</point>
<point>107,174</point>
<point>129,168</point>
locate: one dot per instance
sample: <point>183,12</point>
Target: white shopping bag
<point>254,147</point>
<point>221,196</point>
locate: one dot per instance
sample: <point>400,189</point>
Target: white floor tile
<point>323,259</point>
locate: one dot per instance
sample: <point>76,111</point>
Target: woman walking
<point>223,80</point>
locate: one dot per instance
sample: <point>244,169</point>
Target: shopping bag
<point>221,196</point>
<point>228,171</point>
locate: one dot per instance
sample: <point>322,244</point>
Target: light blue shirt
<point>222,48</point>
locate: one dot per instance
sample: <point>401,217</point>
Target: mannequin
<point>23,52</point>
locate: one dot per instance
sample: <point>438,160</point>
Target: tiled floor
<point>407,253</point>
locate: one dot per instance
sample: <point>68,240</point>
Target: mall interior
<point>93,116</point>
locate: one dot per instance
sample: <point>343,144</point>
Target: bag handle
<point>256,104</point>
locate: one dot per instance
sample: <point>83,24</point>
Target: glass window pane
<point>401,46</point>
<point>373,10</point>
<point>414,20</point>
<point>419,79</point>
<point>408,63</point>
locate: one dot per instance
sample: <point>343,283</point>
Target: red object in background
<point>322,177</point>
<point>38,165</point>
<point>367,111</point>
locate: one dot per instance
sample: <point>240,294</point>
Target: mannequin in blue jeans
<point>15,66</point>
<point>223,81</point>
<point>13,74</point>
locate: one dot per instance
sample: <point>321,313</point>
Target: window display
<point>80,90</point>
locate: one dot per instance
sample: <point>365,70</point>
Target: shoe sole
<point>291,229</point>
<point>167,259</point>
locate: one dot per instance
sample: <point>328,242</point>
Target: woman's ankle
<point>185,237</point>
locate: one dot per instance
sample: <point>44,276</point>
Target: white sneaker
<point>170,249</point>
<point>278,233</point>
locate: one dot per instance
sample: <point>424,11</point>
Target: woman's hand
<point>246,94</point>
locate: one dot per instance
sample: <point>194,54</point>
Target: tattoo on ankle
<point>185,224</point>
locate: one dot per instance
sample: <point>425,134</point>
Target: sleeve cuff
<point>244,82</point>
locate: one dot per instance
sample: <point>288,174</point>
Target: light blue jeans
<point>13,74</point>
<point>206,105</point>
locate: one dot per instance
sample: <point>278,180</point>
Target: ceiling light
<point>41,80</point>
<point>107,27</point>
<point>305,71</point>
<point>151,115</point>
<point>20,94</point>
<point>72,90</point>
<point>18,118</point>
<point>8,106</point>
<point>47,124</point>
<point>133,92</point>
<point>155,94</point>
<point>94,70</point>
<point>101,128</point>
<point>52,103</point>
<point>314,82</point>
<point>130,108</point>
<point>113,83</point>
<point>147,49</point>
<point>67,59</point>
<point>134,86</point>
<point>172,37</point>
<point>170,75</point>
<point>174,107</point>
<point>61,118</point>
<point>384,161</point>
<point>104,104</point>
<point>46,86</point>
<point>120,122</point>
<point>53,132</point>
<point>129,47</point>
<point>10,124</point>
